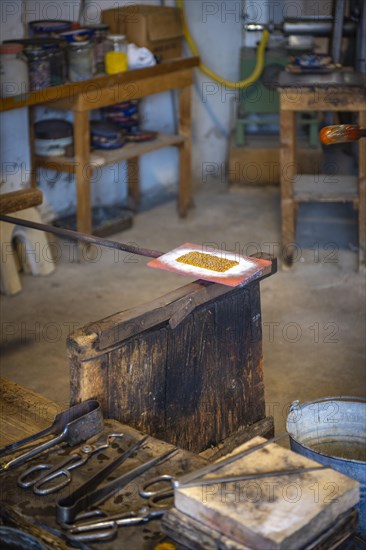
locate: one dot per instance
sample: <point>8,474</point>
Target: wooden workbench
<point>296,189</point>
<point>23,413</point>
<point>102,91</point>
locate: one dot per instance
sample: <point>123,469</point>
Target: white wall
<point>216,26</point>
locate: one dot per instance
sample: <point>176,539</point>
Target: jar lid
<point>50,25</point>
<point>116,37</point>
<point>53,128</point>
<point>80,44</point>
<point>11,47</point>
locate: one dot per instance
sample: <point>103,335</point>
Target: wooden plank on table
<point>331,98</point>
<point>325,188</point>
<point>270,513</point>
<point>23,412</point>
<point>20,200</point>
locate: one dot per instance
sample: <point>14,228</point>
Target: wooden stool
<point>35,244</point>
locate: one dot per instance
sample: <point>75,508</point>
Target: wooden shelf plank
<point>102,157</point>
<point>93,88</point>
<point>325,188</point>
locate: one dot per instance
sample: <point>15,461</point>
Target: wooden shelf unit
<point>103,91</point>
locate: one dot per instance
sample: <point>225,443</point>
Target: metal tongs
<point>88,495</point>
<point>74,426</point>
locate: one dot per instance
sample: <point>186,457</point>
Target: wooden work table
<point>24,413</point>
<point>103,91</point>
<point>295,189</point>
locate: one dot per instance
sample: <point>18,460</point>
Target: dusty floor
<point>313,316</point>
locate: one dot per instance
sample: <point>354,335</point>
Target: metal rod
<point>83,237</point>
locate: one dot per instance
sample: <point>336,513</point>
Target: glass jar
<point>99,45</point>
<point>116,56</point>
<point>81,62</point>
<point>13,70</point>
<point>57,64</point>
<point>38,67</point>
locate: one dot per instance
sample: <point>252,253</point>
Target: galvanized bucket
<point>332,431</point>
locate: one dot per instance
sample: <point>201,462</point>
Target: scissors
<point>50,478</point>
<point>104,527</point>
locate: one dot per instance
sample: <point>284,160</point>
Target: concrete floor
<point>313,316</point>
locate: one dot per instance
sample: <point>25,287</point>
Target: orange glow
<point>340,133</point>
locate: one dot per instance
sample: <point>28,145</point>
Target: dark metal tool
<point>82,237</point>
<point>46,479</point>
<point>88,495</point>
<point>74,425</point>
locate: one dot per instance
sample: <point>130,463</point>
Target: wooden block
<point>192,384</point>
<point>195,536</point>
<point>286,511</point>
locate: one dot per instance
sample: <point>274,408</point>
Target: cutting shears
<point>51,478</point>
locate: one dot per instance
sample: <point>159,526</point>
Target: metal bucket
<point>332,431</point>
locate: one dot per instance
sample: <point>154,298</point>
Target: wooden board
<point>187,368</point>
<point>195,536</point>
<point>270,513</point>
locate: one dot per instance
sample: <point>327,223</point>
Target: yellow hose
<point>242,83</point>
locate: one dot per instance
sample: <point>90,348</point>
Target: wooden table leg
<point>362,198</point>
<point>185,200</point>
<point>33,181</point>
<point>133,178</point>
<point>82,171</point>
<point>287,175</point>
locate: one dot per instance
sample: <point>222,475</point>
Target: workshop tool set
<point>82,515</point>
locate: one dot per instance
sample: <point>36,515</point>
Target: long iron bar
<point>83,237</point>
